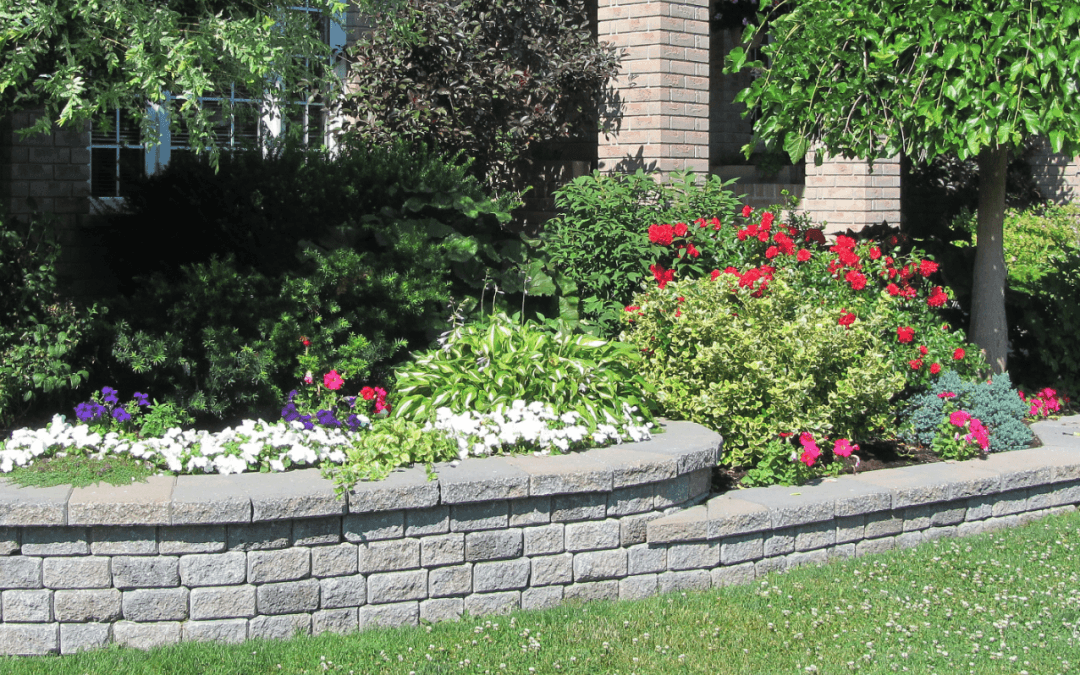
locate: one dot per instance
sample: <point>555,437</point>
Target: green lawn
<point>1006,602</point>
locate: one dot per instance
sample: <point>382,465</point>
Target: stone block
<point>9,540</point>
<point>31,506</point>
<point>882,524</point>
<point>389,556</point>
<point>869,546</point>
<point>488,604</point>
<point>316,531</point>
<point>816,557</point>
<point>688,580</point>
<point>700,482</point>
<point>701,554</point>
<point>227,631</point>
<point>156,604</point>
<point>27,606</point>
<point>573,507</point>
<point>546,539</point>
<point>531,511</point>
<point>541,598</point>
<point>433,520</point>
<point>501,576</point>
<point>191,539</point>
<point>644,559</point>
<point>788,508</point>
<point>945,531</point>
<point>137,540</point>
<point>740,548</point>
<point>948,514</point>
<point>200,500</point>
<point>287,564</point>
<point>402,489</point>
<point>29,639</point>
<point>1009,503</point>
<point>1040,497</point>
<point>223,602</point>
<point>841,552</point>
<point>493,545</point>
<point>918,517</point>
<point>629,500</point>
<point>694,446</point>
<point>598,565</point>
<point>339,592</point>
<point>779,542</point>
<point>671,492</point>
<point>300,493</point>
<point>20,572</point>
<point>482,480</point>
<point>396,587</point>
<point>552,569</point>
<point>447,581</point>
<point>592,590</point>
<point>728,516</point>
<point>146,572</point>
<point>447,549</point>
<point>48,541</point>
<point>333,561</point>
<point>479,516</point>
<point>778,565</point>
<point>89,572</point>
<point>634,529</point>
<point>815,535</point>
<point>687,525</point>
<point>87,605</point>
<point>279,627</point>
<point>378,526</point>
<point>593,535</point>
<point>77,637</point>
<point>563,474</point>
<point>442,609</point>
<point>259,536</point>
<point>635,465</point>
<point>910,486</point>
<point>390,615</point>
<point>733,575</point>
<point>337,621</point>
<point>140,503</point>
<point>290,597</point>
<point>637,587</point>
<point>213,569</point>
<point>850,528</point>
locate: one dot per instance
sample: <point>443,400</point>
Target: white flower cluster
<point>246,447</point>
<point>534,427</point>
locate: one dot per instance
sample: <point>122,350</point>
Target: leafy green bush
<point>493,363</point>
<point>388,444</point>
<point>41,334</point>
<point>755,367</point>
<point>600,237</point>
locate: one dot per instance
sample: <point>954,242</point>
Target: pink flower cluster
<point>1043,403</point>
<point>977,431</point>
<point>811,452</point>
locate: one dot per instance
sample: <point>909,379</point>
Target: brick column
<point>663,87</point>
<point>846,195</point>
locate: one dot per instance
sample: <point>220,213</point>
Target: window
<point>117,158</point>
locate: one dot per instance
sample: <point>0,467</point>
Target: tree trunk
<point>988,327</point>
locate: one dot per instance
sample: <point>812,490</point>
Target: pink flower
<point>332,380</point>
<point>308,377</point>
<point>946,394</point>
<point>810,449</point>
<point>979,434</point>
<point>843,448</point>
<point>959,418</point>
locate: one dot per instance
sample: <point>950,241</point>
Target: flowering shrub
<point>960,435</point>
<point>1044,403</point>
<point>793,459</point>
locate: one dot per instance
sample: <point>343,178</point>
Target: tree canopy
<point>923,78</point>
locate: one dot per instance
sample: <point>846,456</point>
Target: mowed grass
<point>1004,602</point>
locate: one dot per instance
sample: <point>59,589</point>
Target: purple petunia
<point>327,419</point>
<point>109,395</point>
<point>121,415</point>
<point>142,399</point>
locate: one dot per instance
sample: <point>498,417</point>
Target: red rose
<point>958,354</point>
<point>767,220</point>
<point>847,256</point>
<point>367,393</point>
<point>803,255</point>
<point>305,341</point>
<point>875,252</point>
<point>935,368</point>
<point>905,334</point>
<point>845,242</point>
<point>746,211</point>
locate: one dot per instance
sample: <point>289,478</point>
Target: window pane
<point>103,172</point>
<point>132,167</point>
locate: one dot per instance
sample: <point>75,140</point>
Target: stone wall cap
<point>135,504</point>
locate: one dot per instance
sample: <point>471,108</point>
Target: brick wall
<point>1057,175</point>
<point>847,195</point>
<point>728,130</point>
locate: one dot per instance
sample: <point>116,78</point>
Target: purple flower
<point>353,422</point>
<point>327,419</point>
<point>289,412</point>
<point>121,415</point>
<point>109,395</point>
<point>84,412</point>
<point>291,396</point>
<point>142,399</point>
<point>306,421</point>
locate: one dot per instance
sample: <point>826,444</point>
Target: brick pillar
<point>663,87</point>
<point>1056,175</point>
<point>846,195</point>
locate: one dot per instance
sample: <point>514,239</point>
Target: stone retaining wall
<point>266,555</point>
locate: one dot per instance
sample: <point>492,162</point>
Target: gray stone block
<point>1040,497</point>
<point>688,580</point>
<point>532,511</point>
<point>910,486</point>
<point>635,465</point>
<point>644,559</point>
<point>447,581</point>
<point>910,539</point>
<point>671,492</point>
<point>850,528</point>
<point>259,536</point>
<point>9,540</point>
<point>316,531</point>
<point>552,569</point>
<point>788,507</point>
<point>918,517</point>
<point>700,482</point>
<point>563,474</point>
<point>852,497</point>
<point>779,542</point>
<point>191,539</point>
<point>339,592</point>
<point>29,639</point>
<point>488,604</point>
<point>695,446</point>
<point>77,637</point>
<point>943,532</point>
<point>882,524</point>
<point>585,506</point>
<point>156,604</point>
<point>541,598</point>
<point>728,516</point>
<point>598,565</point>
<point>138,503</point>
<point>1009,503</point>
<point>1020,468</point>
<point>447,549</point>
<point>706,554</point>
<point>778,565</point>
<point>337,621</point>
<point>47,541</point>
<point>279,627</point>
<point>545,539</point>
<point>505,575</point>
<point>26,606</point>
<point>91,572</point>
<point>390,615</point>
<point>224,602</point>
<point>841,551</point>
<point>479,516</point>
<point>300,493</point>
<point>433,520</point>
<point>637,587</point>
<point>591,591</point>
<point>290,597</point>
<point>815,535</point>
<point>366,527</point>
<point>686,525</point>
<point>1065,494</point>
<point>333,561</point>
<point>136,540</point>
<point>287,564</point>
<point>213,569</point>
<point>948,514</point>
<point>971,527</point>
<point>870,546</point>
<point>1031,516</point>
<point>32,506</point>
<point>634,529</point>
<point>979,508</point>
<point>87,605</point>
<point>146,572</point>
<point>206,500</point>
<point>481,480</point>
<point>592,535</point>
<point>493,545</point>
<point>739,549</point>
<point>816,557</point>
<point>20,572</point>
<point>733,575</point>
<point>402,489</point>
<point>227,631</point>
<point>629,500</point>
<point>442,609</point>
<point>389,556</point>
<point>395,587</point>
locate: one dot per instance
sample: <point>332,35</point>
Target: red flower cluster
<point>927,267</point>
<point>661,234</point>
<point>846,318</point>
<point>661,275</point>
<point>856,279</point>
<point>803,255</point>
<point>377,393</point>
<point>905,334</point>
<point>938,297</point>
<point>958,354</point>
